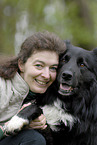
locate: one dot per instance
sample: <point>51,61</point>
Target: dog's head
<point>77,67</point>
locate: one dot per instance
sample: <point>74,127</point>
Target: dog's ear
<point>95,54</point>
<point>95,51</point>
<point>68,43</point>
<point>95,58</point>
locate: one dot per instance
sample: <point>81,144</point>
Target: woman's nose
<point>46,73</point>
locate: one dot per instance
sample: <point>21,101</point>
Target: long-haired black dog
<point>70,109</point>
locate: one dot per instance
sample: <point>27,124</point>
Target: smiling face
<point>39,71</point>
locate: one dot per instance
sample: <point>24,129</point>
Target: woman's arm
<point>1,132</point>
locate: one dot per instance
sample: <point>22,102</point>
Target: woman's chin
<point>39,90</point>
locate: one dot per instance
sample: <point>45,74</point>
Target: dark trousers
<point>24,137</point>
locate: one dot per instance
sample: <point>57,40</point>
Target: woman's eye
<point>53,69</point>
<point>39,66</point>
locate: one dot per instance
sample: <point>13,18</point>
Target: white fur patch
<point>16,123</point>
<point>55,114</point>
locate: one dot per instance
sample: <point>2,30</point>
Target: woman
<point>28,74</point>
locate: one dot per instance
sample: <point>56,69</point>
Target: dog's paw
<point>15,124</point>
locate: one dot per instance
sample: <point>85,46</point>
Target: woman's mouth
<point>42,82</point>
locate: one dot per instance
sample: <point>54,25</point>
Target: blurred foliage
<point>69,19</point>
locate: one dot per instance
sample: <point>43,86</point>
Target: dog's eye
<point>65,58</point>
<point>82,64</point>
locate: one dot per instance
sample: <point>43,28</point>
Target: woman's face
<point>39,71</point>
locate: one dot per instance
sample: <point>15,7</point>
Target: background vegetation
<point>75,20</point>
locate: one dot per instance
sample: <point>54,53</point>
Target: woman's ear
<point>21,65</point>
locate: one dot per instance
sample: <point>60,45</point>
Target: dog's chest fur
<point>57,114</point>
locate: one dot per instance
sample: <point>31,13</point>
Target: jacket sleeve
<point>1,133</point>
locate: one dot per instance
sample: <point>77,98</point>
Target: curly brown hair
<point>39,41</point>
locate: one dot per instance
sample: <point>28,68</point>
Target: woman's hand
<point>39,123</point>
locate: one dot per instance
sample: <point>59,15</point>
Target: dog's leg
<point>15,124</point>
<point>23,118</point>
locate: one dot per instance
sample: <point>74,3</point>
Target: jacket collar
<point>20,85</point>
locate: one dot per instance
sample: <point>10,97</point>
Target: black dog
<point>72,111</point>
<point>77,78</point>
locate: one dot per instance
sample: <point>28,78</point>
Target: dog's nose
<point>67,75</point>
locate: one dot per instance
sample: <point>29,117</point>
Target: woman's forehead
<point>44,56</point>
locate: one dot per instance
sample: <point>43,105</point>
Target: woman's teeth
<point>41,82</point>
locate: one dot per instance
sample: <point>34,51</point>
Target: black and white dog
<point>71,112</point>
